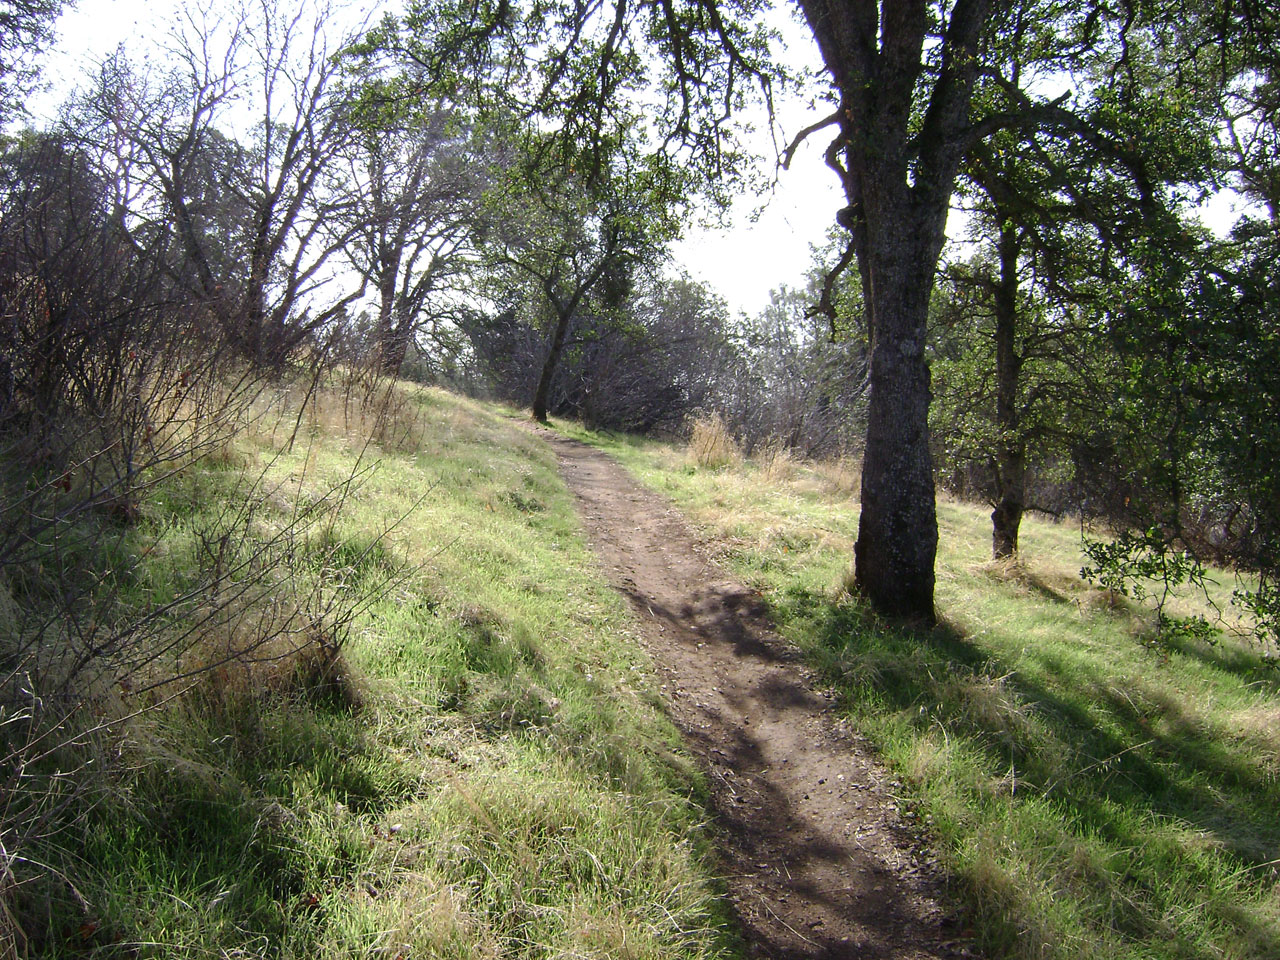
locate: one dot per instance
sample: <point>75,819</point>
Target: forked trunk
<point>898,179</point>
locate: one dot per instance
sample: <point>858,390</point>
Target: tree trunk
<point>392,351</point>
<point>898,181</point>
<point>541,397</point>
<point>1011,448</point>
<point>898,527</point>
<point>253,318</point>
<point>392,341</point>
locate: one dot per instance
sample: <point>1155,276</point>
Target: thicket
<point>156,304</point>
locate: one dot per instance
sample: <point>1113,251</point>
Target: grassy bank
<point>1094,795</point>
<point>419,729</point>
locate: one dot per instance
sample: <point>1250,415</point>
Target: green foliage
<point>589,73</point>
<point>1127,565</point>
<point>1199,397</point>
<point>1053,401</point>
<point>1264,605</point>
<point>27,30</point>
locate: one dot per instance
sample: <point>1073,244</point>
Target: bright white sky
<point>749,259</point>
<point>742,262</point>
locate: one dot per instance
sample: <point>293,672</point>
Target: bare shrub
<point>111,385</point>
<point>776,461</point>
<point>267,653</point>
<point>376,406</point>
<point>259,606</point>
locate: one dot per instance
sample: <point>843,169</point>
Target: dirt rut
<point>816,855</point>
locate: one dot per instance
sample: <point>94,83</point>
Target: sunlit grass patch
<point>454,749</point>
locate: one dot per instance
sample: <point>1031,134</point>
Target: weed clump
<point>841,476</point>
<point>777,462</point>
<point>711,446</point>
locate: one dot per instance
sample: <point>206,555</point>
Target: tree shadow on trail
<point>1120,755</point>
<point>815,876</point>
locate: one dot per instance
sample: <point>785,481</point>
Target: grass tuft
<point>777,464</point>
<point>841,476</point>
<point>711,445</point>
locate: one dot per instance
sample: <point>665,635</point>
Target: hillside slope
<point>419,731</point>
<point>352,685</point>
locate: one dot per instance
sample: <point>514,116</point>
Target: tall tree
<point>1065,220</point>
<point>903,76</point>
<point>245,206</point>
<point>26,26</point>
<point>413,186</point>
<point>580,239</point>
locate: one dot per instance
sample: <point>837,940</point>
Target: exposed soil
<point>818,857</point>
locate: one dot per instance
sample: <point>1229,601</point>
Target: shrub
<point>776,461</point>
<point>711,446</point>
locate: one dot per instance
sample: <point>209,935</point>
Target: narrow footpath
<point>817,858</point>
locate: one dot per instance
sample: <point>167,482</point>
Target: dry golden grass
<point>1261,724</point>
<point>777,462</point>
<point>358,405</point>
<point>245,649</point>
<point>13,942</point>
<point>840,477</point>
<point>711,446</point>
<point>413,914</point>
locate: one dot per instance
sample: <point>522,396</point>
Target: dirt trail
<point>817,858</point>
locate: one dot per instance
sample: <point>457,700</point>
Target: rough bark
<point>393,347</point>
<point>898,530</point>
<point>392,338</point>
<point>898,185</point>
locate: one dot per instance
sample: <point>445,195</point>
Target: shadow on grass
<point>1015,572</point>
<point>266,811</point>
<point>1042,587</point>
<point>1248,664</point>
<point>1121,757</point>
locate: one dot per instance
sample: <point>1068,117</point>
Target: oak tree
<point>915,88</point>
<point>412,186</point>
<point>244,206</point>
<point>579,239</point>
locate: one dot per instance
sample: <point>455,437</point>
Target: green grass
<point>1094,795</point>
<point>485,772</point>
